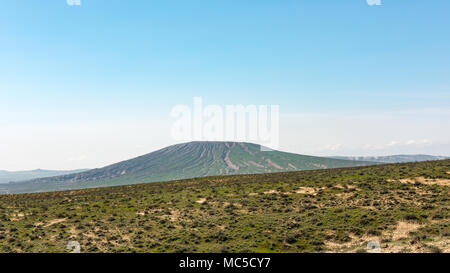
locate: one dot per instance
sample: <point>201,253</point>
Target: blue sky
<point>109,64</point>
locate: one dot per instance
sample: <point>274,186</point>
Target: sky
<point>84,86</point>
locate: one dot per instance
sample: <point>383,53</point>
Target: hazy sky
<point>85,86</point>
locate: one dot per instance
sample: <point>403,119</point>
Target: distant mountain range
<point>188,160</point>
<point>392,158</point>
<point>7,176</point>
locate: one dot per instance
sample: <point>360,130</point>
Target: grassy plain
<point>404,206</point>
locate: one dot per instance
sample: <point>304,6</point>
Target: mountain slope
<point>393,158</point>
<point>7,176</point>
<point>188,160</point>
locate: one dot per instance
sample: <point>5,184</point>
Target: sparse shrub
<point>410,217</point>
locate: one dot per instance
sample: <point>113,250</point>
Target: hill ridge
<point>186,160</point>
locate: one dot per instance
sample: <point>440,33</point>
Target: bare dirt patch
<point>426,181</point>
<point>201,200</point>
<point>55,221</point>
<point>255,164</point>
<point>345,195</point>
<point>229,163</point>
<point>301,190</point>
<point>174,215</point>
<point>354,244</point>
<point>403,229</point>
<point>271,163</point>
<point>308,190</point>
<point>395,237</point>
<point>17,217</point>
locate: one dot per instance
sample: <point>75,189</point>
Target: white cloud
<point>419,142</point>
<point>334,147</point>
<point>393,143</point>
